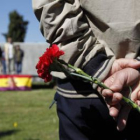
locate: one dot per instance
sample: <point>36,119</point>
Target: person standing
<point>99,37</point>
<point>0,60</point>
<point>3,62</point>
<point>9,55</point>
<point>18,57</point>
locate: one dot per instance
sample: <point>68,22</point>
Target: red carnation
<point>43,66</point>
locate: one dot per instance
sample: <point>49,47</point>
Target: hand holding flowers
<point>50,61</point>
<point>117,84</point>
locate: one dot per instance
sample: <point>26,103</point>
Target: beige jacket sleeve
<point>64,22</point>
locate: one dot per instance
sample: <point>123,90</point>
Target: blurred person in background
<point>9,55</point>
<point>18,57</point>
<point>3,62</point>
<point>0,60</point>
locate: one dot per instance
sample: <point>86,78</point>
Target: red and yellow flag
<point>15,82</point>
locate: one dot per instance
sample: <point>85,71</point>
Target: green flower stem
<point>82,76</point>
<point>99,83</point>
<point>80,73</point>
<point>131,103</point>
<point>127,100</point>
<point>77,70</point>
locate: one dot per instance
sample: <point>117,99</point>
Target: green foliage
<point>17,27</point>
<point>25,115</point>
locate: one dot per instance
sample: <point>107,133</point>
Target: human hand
<point>119,80</point>
<point>122,63</point>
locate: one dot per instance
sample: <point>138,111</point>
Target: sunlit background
<point>24,8</point>
<point>25,114</point>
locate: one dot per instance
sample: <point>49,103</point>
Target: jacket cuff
<point>99,66</point>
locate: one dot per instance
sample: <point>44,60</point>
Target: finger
<point>122,118</point>
<point>136,93</point>
<point>139,95</point>
<point>138,99</point>
<point>127,77</point>
<point>115,82</point>
<point>117,97</point>
<point>109,81</point>
<point>124,63</point>
<point>113,100</point>
<point>138,103</point>
<point>118,83</point>
<point>114,110</point>
<point>107,93</point>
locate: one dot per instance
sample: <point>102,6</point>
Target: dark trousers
<point>18,67</point>
<point>88,119</point>
<point>4,66</point>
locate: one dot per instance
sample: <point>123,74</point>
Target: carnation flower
<point>46,60</point>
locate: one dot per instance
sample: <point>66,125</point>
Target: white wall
<point>32,52</point>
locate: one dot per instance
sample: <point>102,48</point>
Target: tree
<point>17,27</point>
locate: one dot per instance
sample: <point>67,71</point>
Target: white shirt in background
<point>10,51</point>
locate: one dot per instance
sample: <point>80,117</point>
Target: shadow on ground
<point>11,132</point>
<point>43,86</point>
<point>31,139</point>
<point>8,132</point>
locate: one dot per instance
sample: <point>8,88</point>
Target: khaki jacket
<point>84,28</point>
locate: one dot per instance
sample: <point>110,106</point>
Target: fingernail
<point>107,92</point>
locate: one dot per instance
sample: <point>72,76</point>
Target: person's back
<point>93,33</point>
<point>116,24</point>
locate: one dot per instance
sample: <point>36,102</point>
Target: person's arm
<point>63,22</point>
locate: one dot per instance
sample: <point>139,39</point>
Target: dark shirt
<point>0,53</point>
<point>19,55</point>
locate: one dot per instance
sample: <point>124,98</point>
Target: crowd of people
<point>11,57</point>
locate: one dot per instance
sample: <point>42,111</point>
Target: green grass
<point>30,110</point>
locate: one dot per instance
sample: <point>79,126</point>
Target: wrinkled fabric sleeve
<point>63,22</point>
